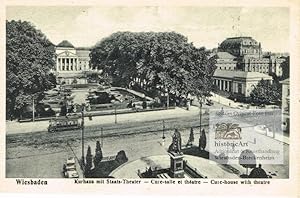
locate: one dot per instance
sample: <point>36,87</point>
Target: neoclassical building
<point>241,47</point>
<point>72,63</point>
<point>225,61</point>
<point>248,56</point>
<point>240,82</point>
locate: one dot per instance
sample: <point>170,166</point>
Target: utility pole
<point>168,100</point>
<point>33,110</point>
<point>163,137</point>
<point>200,102</point>
<point>101,137</point>
<point>82,136</point>
<point>200,114</point>
<point>116,114</point>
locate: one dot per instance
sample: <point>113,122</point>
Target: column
<point>57,64</point>
<point>62,64</point>
<point>74,69</point>
<point>76,64</point>
<point>227,85</point>
<point>71,64</point>
<point>65,59</point>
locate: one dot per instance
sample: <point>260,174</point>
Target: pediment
<point>66,54</point>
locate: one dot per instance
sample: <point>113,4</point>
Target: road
<point>41,154</point>
<point>13,127</point>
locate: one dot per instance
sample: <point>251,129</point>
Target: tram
<point>64,124</point>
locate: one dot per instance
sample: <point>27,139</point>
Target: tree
<point>89,160</point>
<point>29,58</point>
<point>98,154</point>
<point>151,61</point>
<point>247,159</point>
<point>202,140</point>
<point>265,92</point>
<point>285,68</point>
<point>191,137</point>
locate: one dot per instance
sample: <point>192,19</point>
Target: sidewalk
<point>14,127</point>
<point>278,137</point>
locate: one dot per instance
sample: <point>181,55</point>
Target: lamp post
<point>115,106</point>
<point>116,121</point>
<point>33,110</point>
<point>200,116</point>
<point>163,137</point>
<point>82,136</point>
<point>101,137</point>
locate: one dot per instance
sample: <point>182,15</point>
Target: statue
<point>175,147</point>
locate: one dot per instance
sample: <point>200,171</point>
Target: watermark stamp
<point>246,136</point>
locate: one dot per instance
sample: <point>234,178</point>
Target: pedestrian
<point>188,105</point>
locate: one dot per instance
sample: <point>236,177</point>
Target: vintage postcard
<point>189,98</point>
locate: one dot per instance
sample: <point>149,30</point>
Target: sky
<point>204,26</point>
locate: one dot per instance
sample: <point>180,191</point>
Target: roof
<point>83,48</point>
<point>83,52</point>
<point>240,74</point>
<point>65,43</point>
<point>225,55</point>
<point>235,42</point>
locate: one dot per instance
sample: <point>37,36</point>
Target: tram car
<point>64,124</point>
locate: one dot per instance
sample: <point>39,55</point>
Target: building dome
<point>236,42</point>
<point>65,43</point>
<point>241,46</point>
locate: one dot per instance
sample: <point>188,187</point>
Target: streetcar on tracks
<point>64,124</point>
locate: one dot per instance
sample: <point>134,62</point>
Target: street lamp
<point>115,105</point>
<point>33,110</point>
<point>200,117</point>
<point>82,135</point>
<point>163,137</point>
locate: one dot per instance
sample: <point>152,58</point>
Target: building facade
<point>72,63</point>
<point>225,61</point>
<point>285,106</point>
<point>249,57</point>
<point>266,65</point>
<point>238,82</point>
<point>241,47</point>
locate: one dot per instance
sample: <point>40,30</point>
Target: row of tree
<point>29,58</point>
<point>266,92</point>
<point>163,61</point>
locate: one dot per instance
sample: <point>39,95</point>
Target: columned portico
<point>67,64</point>
<point>71,63</point>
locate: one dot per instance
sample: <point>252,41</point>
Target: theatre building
<point>72,63</point>
<point>240,82</point>
<point>247,55</point>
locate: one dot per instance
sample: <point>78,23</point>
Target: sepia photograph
<point>147,92</point>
